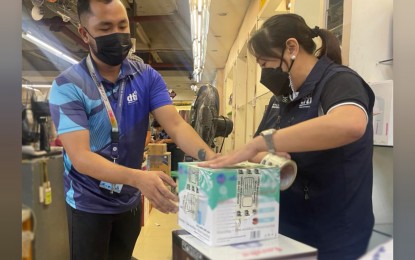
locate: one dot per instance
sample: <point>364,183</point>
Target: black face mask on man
<point>276,80</point>
<point>112,49</point>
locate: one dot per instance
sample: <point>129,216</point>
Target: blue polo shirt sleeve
<point>159,95</point>
<point>67,108</point>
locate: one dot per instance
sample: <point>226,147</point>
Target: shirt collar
<point>319,69</point>
<point>126,70</point>
<point>315,75</point>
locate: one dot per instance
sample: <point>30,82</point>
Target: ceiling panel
<point>162,32</point>
<point>164,7</point>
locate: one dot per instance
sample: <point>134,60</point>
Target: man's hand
<point>152,185</point>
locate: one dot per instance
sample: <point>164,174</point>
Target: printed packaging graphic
<point>229,205</point>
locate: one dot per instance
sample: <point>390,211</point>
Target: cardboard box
<point>230,205</point>
<point>186,246</point>
<point>160,162</point>
<point>145,210</point>
<point>157,149</point>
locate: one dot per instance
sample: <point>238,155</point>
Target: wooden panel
<point>240,101</point>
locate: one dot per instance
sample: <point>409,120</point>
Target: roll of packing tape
<point>288,169</point>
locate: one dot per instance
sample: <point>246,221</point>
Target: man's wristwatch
<point>201,154</point>
<point>267,134</point>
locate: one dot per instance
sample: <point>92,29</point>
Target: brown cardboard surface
<point>157,149</point>
<point>159,162</point>
<point>155,240</point>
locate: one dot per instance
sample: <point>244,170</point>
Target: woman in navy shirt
<point>321,114</point>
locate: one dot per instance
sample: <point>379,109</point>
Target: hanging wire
<point>226,130</point>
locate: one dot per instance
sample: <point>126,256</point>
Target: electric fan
<point>205,119</point>
<point>35,121</point>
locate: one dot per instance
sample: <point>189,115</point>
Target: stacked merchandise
<point>235,211</point>
<point>158,159</point>
<point>230,205</point>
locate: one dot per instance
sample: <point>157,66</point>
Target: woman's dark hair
<point>279,28</point>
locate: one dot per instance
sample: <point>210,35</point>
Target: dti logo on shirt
<point>275,106</point>
<point>306,102</point>
<point>132,98</point>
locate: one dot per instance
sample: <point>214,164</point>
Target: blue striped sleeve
<point>67,108</point>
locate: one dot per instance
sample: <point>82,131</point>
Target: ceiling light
<point>29,37</point>
<point>36,86</point>
<point>199,18</point>
<point>223,14</point>
<point>30,88</point>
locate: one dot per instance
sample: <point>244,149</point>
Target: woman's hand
<point>246,152</point>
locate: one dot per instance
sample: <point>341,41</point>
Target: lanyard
<point>112,117</point>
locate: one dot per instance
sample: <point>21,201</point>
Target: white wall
<point>184,96</point>
<point>383,184</point>
<point>310,10</point>
<point>371,38</point>
<point>371,42</point>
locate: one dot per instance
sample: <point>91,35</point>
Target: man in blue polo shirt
<point>100,108</point>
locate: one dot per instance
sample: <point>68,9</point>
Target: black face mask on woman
<point>276,80</point>
<point>112,49</point>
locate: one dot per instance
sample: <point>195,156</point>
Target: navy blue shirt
<point>329,206</point>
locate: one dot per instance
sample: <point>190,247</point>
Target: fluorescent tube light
<point>29,37</point>
<point>199,17</point>
<point>30,88</point>
<point>35,86</point>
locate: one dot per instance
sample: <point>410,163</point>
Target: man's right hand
<point>152,185</point>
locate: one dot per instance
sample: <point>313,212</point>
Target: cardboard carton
<point>159,162</point>
<point>145,210</point>
<point>186,246</point>
<point>157,149</point>
<point>230,205</point>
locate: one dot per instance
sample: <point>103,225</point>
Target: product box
<point>145,210</point>
<point>157,149</point>
<point>229,205</point>
<point>159,162</point>
<point>186,246</point>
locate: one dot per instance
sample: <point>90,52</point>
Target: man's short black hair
<point>84,6</point>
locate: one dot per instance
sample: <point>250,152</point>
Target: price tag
<point>48,195</point>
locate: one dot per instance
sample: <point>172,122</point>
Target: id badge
<point>111,187</point>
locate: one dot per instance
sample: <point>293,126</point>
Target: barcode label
<point>255,234</point>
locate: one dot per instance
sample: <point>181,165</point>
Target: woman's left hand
<point>242,154</point>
